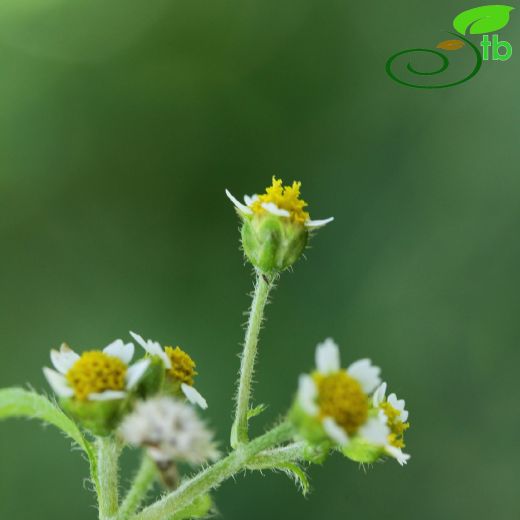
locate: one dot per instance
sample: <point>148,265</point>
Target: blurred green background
<point>122,121</point>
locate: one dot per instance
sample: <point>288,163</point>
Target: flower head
<point>95,375</point>
<point>275,226</point>
<point>178,365</point>
<point>392,412</point>
<point>337,398</point>
<point>170,430</point>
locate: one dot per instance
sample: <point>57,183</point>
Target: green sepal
<point>360,450</point>
<point>99,417</point>
<point>152,381</point>
<point>272,243</point>
<point>309,428</point>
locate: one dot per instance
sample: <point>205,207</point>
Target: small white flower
<point>66,359</point>
<point>249,207</point>
<point>170,430</point>
<point>358,381</point>
<point>396,409</point>
<point>155,349</point>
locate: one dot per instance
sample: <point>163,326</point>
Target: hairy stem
<point>294,452</point>
<point>211,477</point>
<point>239,433</point>
<point>143,480</point>
<point>108,455</point>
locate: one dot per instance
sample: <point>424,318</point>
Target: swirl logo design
<point>483,21</point>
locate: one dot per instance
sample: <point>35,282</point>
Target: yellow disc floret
<point>95,372</point>
<point>342,398</point>
<point>397,427</point>
<point>285,197</point>
<point>183,367</point>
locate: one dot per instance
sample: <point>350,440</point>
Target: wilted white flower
<point>178,365</point>
<point>170,430</point>
<point>95,375</point>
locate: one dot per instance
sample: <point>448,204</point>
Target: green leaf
<point>295,472</point>
<point>482,20</point>
<point>257,410</point>
<point>16,402</point>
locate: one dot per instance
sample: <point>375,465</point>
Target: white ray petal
<point>327,357</point>
<point>118,349</point>
<point>318,223</point>
<point>307,393</point>
<point>139,339</point>
<point>194,396</point>
<point>335,432</point>
<point>366,374</point>
<point>375,432</point>
<point>107,395</point>
<point>398,454</point>
<point>136,372</point>
<point>58,382</point>
<point>250,200</point>
<point>379,395</point>
<point>64,358</point>
<point>238,204</point>
<point>272,208</point>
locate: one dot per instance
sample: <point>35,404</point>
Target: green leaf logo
<point>482,20</point>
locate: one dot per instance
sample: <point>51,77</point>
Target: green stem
<point>239,433</point>
<point>108,454</point>
<point>142,481</point>
<point>278,456</point>
<point>214,475</point>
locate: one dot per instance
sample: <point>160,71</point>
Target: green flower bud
<point>271,243</point>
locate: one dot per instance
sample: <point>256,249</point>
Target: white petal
<point>64,359</point>
<point>107,395</point>
<point>307,393</point>
<point>327,357</point>
<point>193,396</point>
<point>58,383</point>
<point>318,223</point>
<point>379,395</point>
<point>250,200</point>
<point>118,349</point>
<point>375,432</point>
<point>398,404</point>
<point>366,374</point>
<point>272,208</point>
<point>335,432</point>
<point>397,453</point>
<point>238,204</point>
<point>139,339</point>
<point>404,415</point>
<point>136,372</point>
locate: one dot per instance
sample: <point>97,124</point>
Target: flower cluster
<point>152,403</point>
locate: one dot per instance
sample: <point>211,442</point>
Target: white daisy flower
<point>393,414</point>
<point>279,201</point>
<point>170,430</point>
<point>95,375</point>
<point>178,365</point>
<point>340,398</point>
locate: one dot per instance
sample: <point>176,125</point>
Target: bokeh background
<point>122,122</point>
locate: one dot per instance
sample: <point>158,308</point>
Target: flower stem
<point>142,481</point>
<point>239,433</point>
<point>214,475</point>
<point>108,454</point>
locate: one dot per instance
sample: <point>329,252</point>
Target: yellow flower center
<point>285,197</point>
<point>342,398</point>
<point>183,367</point>
<point>397,427</point>
<point>96,372</point>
